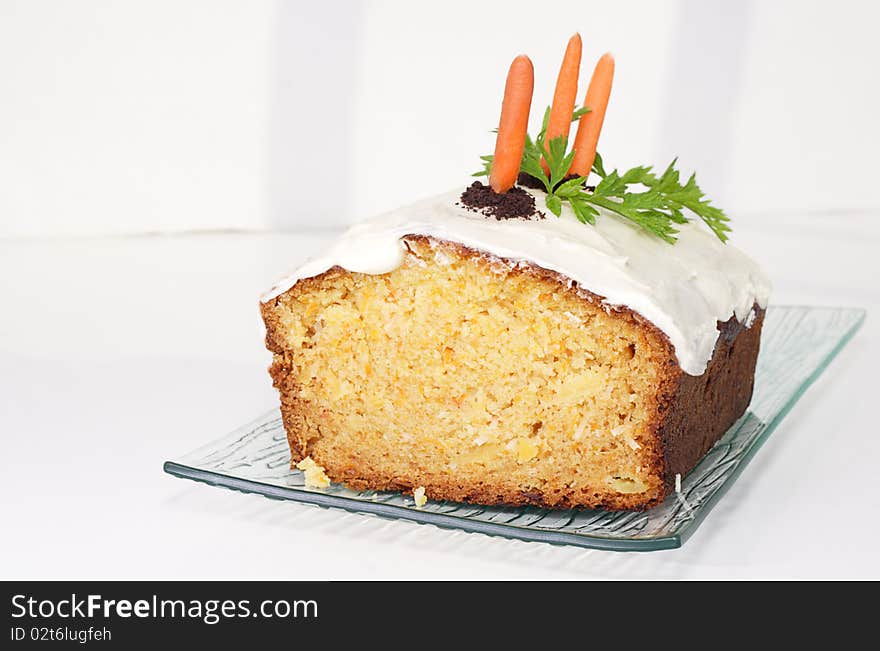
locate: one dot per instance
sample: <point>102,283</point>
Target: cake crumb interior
<point>466,376</point>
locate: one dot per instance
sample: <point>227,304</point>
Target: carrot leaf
<point>652,203</point>
<point>579,113</point>
<point>598,169</point>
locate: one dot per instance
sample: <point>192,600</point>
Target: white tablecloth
<point>119,353</point>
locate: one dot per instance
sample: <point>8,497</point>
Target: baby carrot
<point>513,125</point>
<point>591,124</point>
<point>565,94</point>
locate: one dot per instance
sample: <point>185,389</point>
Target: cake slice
<point>496,380</point>
<point>478,348</point>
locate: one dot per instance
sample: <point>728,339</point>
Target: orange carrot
<point>591,124</point>
<point>513,125</point>
<point>565,94</point>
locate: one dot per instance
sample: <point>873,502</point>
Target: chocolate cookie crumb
<point>529,181</point>
<point>516,203</point>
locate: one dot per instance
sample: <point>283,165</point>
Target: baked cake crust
<point>689,413</point>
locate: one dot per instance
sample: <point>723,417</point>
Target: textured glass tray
<point>797,344</point>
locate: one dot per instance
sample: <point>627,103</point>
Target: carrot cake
<point>562,336</point>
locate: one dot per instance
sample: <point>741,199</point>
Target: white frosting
<point>684,289</point>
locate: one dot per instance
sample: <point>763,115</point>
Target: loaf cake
<point>478,347</point>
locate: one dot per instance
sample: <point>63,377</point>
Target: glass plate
<point>797,344</point>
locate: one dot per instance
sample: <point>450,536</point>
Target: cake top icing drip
<point>685,289</point>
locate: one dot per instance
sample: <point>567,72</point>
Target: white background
<point>130,134</point>
<point>212,114</point>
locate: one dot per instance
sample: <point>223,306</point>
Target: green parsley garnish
<point>652,203</point>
